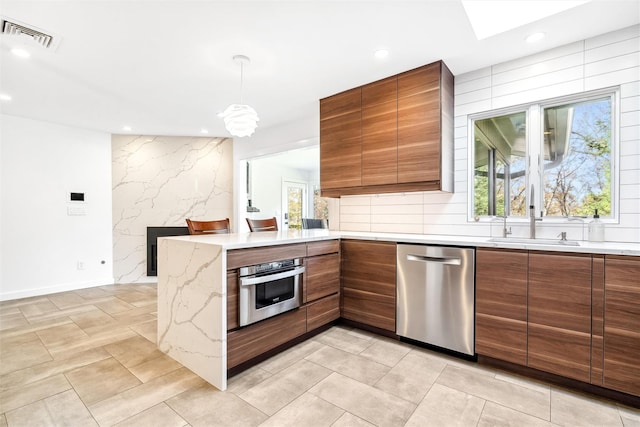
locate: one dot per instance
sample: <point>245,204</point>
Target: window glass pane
<point>481,190</point>
<point>577,158</point>
<point>500,167</point>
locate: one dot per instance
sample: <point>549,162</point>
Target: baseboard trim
<point>54,289</point>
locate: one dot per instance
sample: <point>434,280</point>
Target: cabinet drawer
<point>323,311</point>
<point>324,247</point>
<point>560,351</point>
<point>502,338</point>
<point>369,308</point>
<point>369,266</point>
<point>322,276</point>
<point>251,341</point>
<point>250,256</point>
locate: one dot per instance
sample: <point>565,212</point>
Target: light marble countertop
<point>269,238</point>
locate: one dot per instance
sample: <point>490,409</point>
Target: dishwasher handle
<point>437,260</point>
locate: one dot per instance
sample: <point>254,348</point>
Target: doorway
<point>294,204</point>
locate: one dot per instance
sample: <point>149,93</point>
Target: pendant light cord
<point>241,79</point>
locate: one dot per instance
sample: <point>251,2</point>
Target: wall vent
<point>17,29</point>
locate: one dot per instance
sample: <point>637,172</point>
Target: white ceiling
<point>165,67</point>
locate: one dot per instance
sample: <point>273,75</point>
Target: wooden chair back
<point>269,224</point>
<point>220,226</point>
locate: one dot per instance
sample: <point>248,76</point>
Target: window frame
<point>535,161</point>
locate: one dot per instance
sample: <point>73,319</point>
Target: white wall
<point>161,181</point>
<point>267,178</point>
<point>41,245</point>
<point>291,136</point>
<point>601,62</point>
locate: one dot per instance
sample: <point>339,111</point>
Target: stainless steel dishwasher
<point>436,296</point>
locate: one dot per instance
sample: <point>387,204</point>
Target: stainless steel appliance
<point>436,296</point>
<point>269,289</point>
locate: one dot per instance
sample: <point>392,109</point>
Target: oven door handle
<point>253,280</point>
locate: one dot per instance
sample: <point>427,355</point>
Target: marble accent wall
<point>160,181</point>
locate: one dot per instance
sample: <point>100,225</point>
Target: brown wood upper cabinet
<point>341,140</point>
<point>379,132</point>
<point>391,135</point>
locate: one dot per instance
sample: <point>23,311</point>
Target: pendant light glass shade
<point>240,119</point>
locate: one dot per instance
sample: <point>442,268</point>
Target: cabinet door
<point>379,132</point>
<point>597,319</point>
<point>323,311</point>
<point>559,329</point>
<point>323,247</point>
<point>322,275</point>
<point>419,124</point>
<point>369,283</point>
<point>254,340</point>
<point>341,140</point>
<point>501,304</point>
<point>622,324</point>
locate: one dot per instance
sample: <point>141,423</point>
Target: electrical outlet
<point>80,265</point>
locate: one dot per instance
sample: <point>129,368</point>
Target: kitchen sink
<point>521,240</point>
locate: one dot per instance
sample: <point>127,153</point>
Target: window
<point>500,165</point>
<point>561,150</point>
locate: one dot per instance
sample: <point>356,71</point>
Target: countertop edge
<point>272,238</point>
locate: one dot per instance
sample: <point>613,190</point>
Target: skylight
<point>491,17</point>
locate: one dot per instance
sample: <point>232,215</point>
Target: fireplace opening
<point>152,244</point>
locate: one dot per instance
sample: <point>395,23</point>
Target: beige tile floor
<point>87,357</point>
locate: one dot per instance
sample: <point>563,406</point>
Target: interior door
<point>294,204</point>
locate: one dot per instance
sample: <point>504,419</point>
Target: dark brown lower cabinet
<point>559,314</point>
<point>501,304</point>
<point>597,320</point>
<point>322,276</point>
<point>369,283</point>
<point>246,343</point>
<point>323,311</point>
<point>622,324</point>
<point>322,283</point>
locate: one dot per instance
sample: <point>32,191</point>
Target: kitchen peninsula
<point>192,283</point>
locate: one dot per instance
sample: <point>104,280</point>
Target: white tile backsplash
<point>605,61</point>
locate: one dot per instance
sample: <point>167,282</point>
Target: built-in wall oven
<point>269,289</point>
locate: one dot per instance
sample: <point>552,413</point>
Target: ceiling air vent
<point>16,29</point>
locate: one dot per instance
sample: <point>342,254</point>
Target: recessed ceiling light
<point>381,53</point>
<point>4,97</point>
<point>20,52</point>
<point>204,131</point>
<point>532,38</point>
<point>126,128</point>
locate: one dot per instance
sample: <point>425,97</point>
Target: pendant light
<point>240,119</point>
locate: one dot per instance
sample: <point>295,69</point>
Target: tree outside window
<point>574,143</point>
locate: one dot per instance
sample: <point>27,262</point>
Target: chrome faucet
<point>505,231</point>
